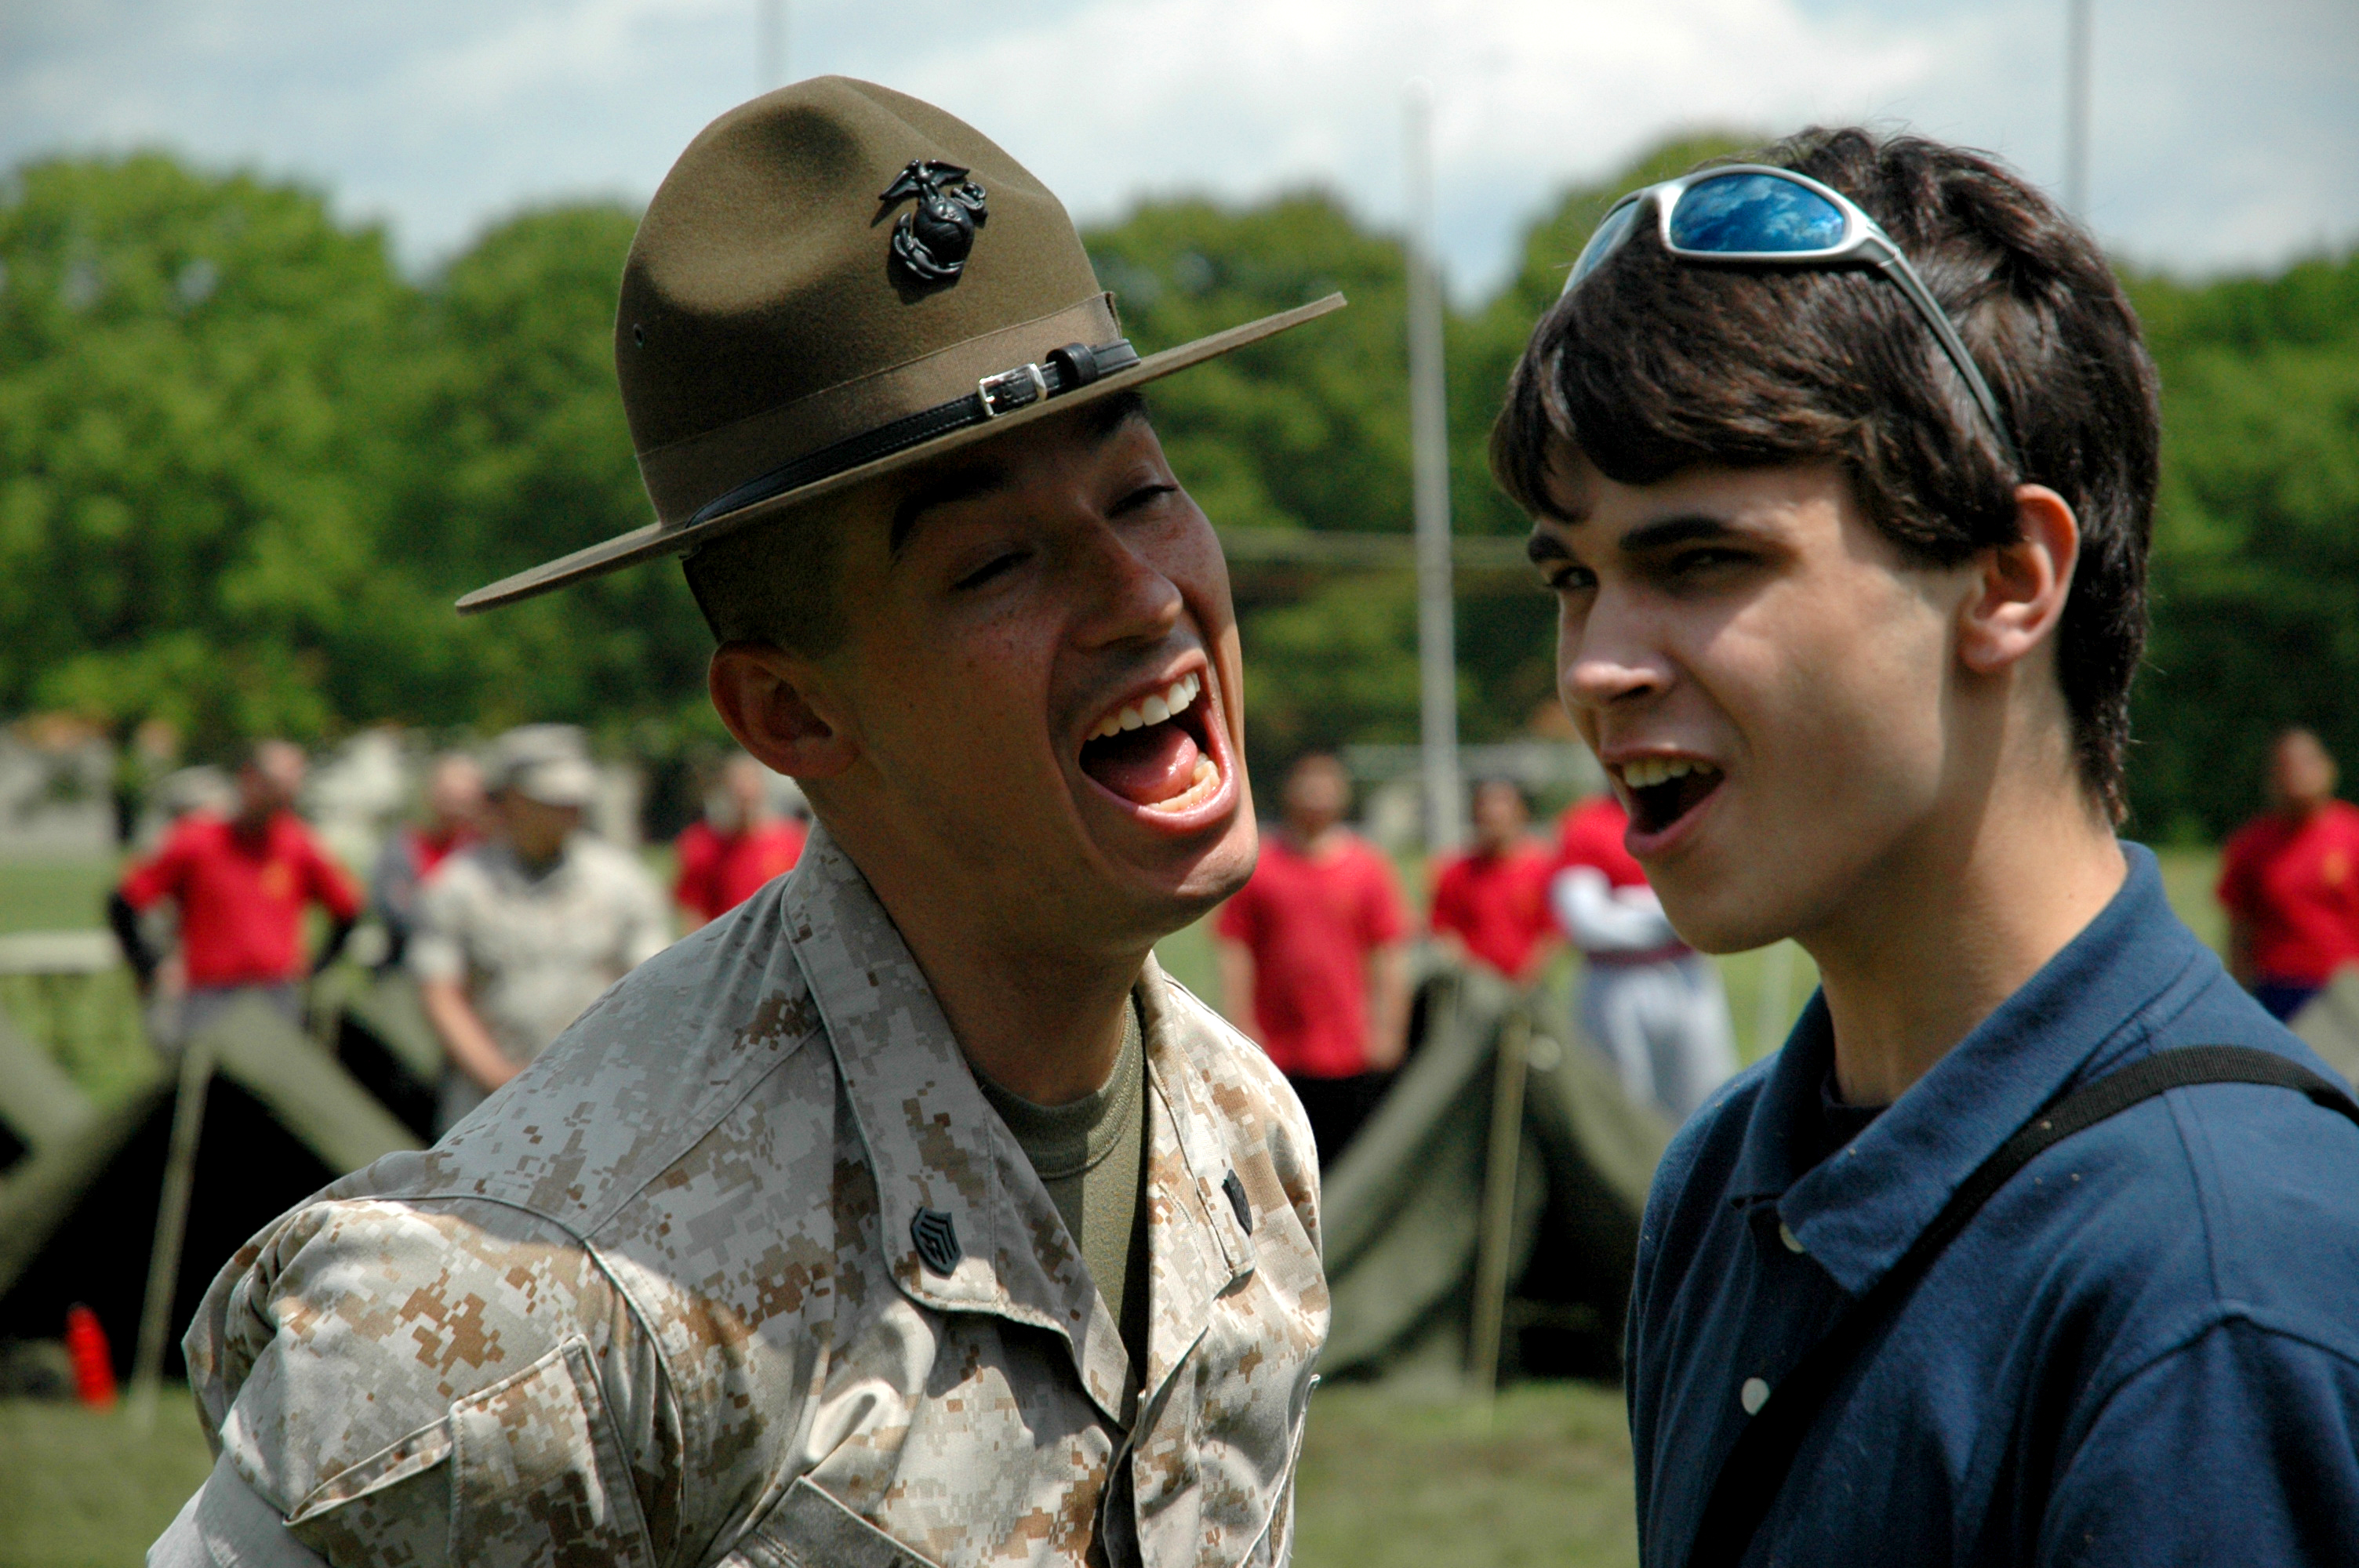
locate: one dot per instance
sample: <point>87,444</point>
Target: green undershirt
<point>1090,1156</point>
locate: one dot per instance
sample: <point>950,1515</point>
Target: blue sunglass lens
<point>1736,214</point>
<point>1603,242</point>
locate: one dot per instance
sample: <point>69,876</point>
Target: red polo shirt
<point>428,850</point>
<point>1311,924</point>
<point>1496,904</point>
<point>2295,885</point>
<point>242,897</point>
<point>718,871</point>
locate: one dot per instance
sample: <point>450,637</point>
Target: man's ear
<point>783,708</point>
<point>2020,589</point>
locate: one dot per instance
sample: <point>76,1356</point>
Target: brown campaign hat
<point>834,281</point>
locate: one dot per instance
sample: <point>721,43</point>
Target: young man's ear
<point>782,709</point>
<point>2020,589</point>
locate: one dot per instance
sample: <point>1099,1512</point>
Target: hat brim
<point>658,539</point>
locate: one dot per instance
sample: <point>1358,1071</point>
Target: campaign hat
<point>836,281</point>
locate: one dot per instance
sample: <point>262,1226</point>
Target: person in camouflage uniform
<point>908,1214</point>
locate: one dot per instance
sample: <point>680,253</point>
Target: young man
<point>1490,904</point>
<point>748,1268</point>
<point>1313,951</point>
<point>1652,1003</point>
<point>721,864</point>
<point>519,934</point>
<point>242,884</point>
<point>1854,642</point>
<point>2289,881</point>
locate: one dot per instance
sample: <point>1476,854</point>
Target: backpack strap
<point>1756,1468</point>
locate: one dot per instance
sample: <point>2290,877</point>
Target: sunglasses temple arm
<point>1895,265</point>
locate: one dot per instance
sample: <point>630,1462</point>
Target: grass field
<point>1386,1482</point>
<point>80,1489</point>
<point>54,895</point>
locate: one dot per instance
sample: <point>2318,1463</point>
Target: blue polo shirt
<point>2145,1349</point>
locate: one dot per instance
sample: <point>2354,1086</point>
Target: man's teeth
<point>1648,772</point>
<point>1154,711</point>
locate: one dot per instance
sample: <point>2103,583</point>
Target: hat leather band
<point>1058,370</point>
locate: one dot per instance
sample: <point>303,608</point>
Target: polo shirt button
<point>1753,1395</point>
<point>1786,1234</point>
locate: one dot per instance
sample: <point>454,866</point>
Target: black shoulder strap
<point>1756,1467</point>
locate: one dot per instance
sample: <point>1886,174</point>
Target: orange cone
<point>94,1365</point>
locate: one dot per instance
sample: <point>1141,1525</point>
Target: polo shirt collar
<point>1858,1211</point>
<point>935,1144</point>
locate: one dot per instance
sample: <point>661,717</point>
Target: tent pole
<point>171,1227</point>
<point>1502,1157</point>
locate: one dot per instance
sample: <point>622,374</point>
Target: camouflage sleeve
<point>424,1382</point>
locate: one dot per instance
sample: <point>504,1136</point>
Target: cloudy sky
<point>2225,137</point>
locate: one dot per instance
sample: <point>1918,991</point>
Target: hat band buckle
<point>1011,390</point>
<point>1074,365</point>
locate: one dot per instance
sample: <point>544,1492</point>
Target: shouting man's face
<point>1763,676</point>
<point>1039,699</point>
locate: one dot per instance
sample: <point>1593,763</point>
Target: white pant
<point>1665,1027</point>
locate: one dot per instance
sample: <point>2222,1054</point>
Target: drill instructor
<point>748,1268</point>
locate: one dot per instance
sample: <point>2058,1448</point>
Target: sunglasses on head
<point>1752,215</point>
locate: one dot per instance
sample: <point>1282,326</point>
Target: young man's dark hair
<point>1658,365</point>
<point>1841,467</point>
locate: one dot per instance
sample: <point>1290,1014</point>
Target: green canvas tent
<point>1403,1208</point>
<point>39,1105</point>
<point>384,1042</point>
<point>78,1212</point>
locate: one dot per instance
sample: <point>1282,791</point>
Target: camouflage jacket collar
<point>945,1164</point>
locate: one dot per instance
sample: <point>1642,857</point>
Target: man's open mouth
<point>1664,789</point>
<point>1155,752</point>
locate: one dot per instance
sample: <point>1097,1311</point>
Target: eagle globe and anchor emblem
<point>932,239</point>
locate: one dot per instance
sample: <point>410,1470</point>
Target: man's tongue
<point>1144,766</point>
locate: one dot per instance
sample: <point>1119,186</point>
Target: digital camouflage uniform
<point>662,1301</point>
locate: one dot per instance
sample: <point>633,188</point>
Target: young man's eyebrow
<point>1543,548</point>
<point>1664,533</point>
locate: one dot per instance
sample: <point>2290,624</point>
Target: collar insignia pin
<point>937,1239</point>
<point>1237,1201</point>
<point>932,239</point>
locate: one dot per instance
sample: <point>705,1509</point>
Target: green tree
<point>2256,564</point>
<point>194,379</point>
<point>521,455</point>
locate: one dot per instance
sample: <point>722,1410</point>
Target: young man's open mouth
<point>1156,750</point>
<point>1662,792</point>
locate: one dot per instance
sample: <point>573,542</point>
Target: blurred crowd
<point>508,914</point>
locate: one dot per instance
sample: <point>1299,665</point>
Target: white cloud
<point>2215,147</point>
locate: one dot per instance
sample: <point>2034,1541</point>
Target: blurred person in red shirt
<point>454,819</point>
<point>728,855</point>
<point>1313,956</point>
<point>2290,880</point>
<point>1652,1003</point>
<point>241,884</point>
<point>1490,904</point>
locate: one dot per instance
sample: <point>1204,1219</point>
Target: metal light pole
<point>2076,108</point>
<point>1436,651</point>
<point>770,44</point>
